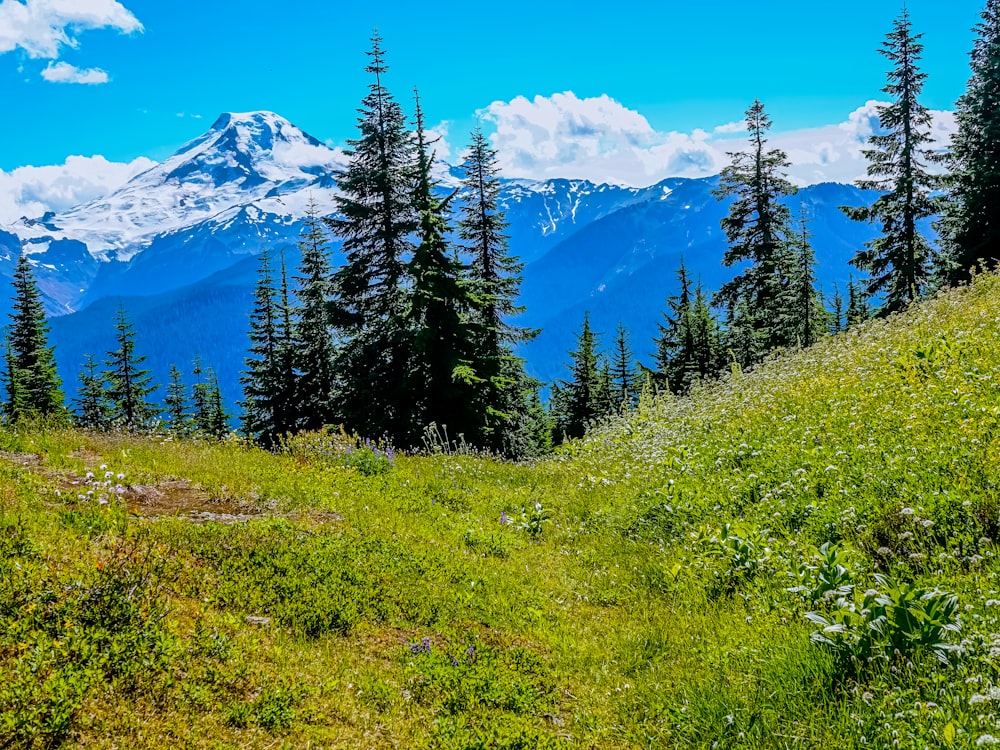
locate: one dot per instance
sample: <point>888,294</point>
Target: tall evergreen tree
<point>376,221</point>
<point>128,386</point>
<point>176,402</point>
<point>836,312</point>
<point>218,420</point>
<point>495,276</point>
<point>201,397</point>
<point>688,347</point>
<point>92,409</point>
<point>970,228</point>
<point>583,398</point>
<point>539,424</point>
<point>675,342</point>
<point>444,375</point>
<point>707,359</point>
<point>34,387</point>
<point>858,310</point>
<point>808,314</point>
<point>624,391</point>
<point>899,261</point>
<point>314,348</point>
<point>268,380</point>
<point>758,231</point>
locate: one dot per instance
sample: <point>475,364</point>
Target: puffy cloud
<point>601,140</point>
<point>43,27</point>
<point>63,72</point>
<point>31,191</point>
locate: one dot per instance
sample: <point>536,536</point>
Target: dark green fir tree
<point>836,312</point>
<point>176,403</point>
<point>34,387</point>
<point>377,221</point>
<point>128,386</point>
<point>899,261</point>
<point>970,228</point>
<point>495,276</point>
<point>758,230</point>
<point>93,412</point>
<point>808,314</point>
<point>444,374</point>
<point>314,348</point>
<point>624,387</point>
<point>582,399</point>
<point>268,381</point>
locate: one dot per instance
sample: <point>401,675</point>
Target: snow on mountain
<point>242,159</point>
<point>176,243</point>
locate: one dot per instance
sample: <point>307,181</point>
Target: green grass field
<point>804,556</point>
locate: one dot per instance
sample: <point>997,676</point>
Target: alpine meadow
<point>393,441</point>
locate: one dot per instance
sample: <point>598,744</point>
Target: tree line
<point>414,330</point>
<point>774,302</point>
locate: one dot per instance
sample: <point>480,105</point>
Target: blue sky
<point>162,71</point>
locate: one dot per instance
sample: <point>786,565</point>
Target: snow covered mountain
<point>243,183</point>
<point>177,245</point>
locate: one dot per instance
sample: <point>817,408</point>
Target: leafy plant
<point>898,620</point>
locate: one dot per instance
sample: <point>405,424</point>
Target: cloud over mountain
<point>599,139</point>
<point>31,191</point>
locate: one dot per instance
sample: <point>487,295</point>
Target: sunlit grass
<point>641,589</point>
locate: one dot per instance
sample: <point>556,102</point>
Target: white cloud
<point>43,27</point>
<point>31,191</point>
<point>601,140</point>
<point>63,72</point>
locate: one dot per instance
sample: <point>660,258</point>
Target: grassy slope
<point>624,623</point>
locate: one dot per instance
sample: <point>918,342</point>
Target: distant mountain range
<point>177,246</point>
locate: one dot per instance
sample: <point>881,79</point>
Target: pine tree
<point>809,316</point>
<point>176,402</point>
<point>218,419</point>
<point>858,310</point>
<point>201,395</point>
<point>92,409</point>
<point>836,312</point>
<point>376,220</point>
<point>758,231</point>
<point>540,424</point>
<point>284,399</point>
<point>899,261</point>
<point>128,386</point>
<point>34,387</point>
<point>314,348</point>
<point>268,380</point>
<point>444,375</point>
<point>495,276</point>
<point>688,347</point>
<point>260,374</point>
<point>743,340</point>
<point>624,393</point>
<point>707,358</point>
<point>675,344</point>
<point>970,228</point>
<point>583,398</point>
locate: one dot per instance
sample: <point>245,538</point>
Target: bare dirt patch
<point>179,497</point>
<point>169,498</point>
